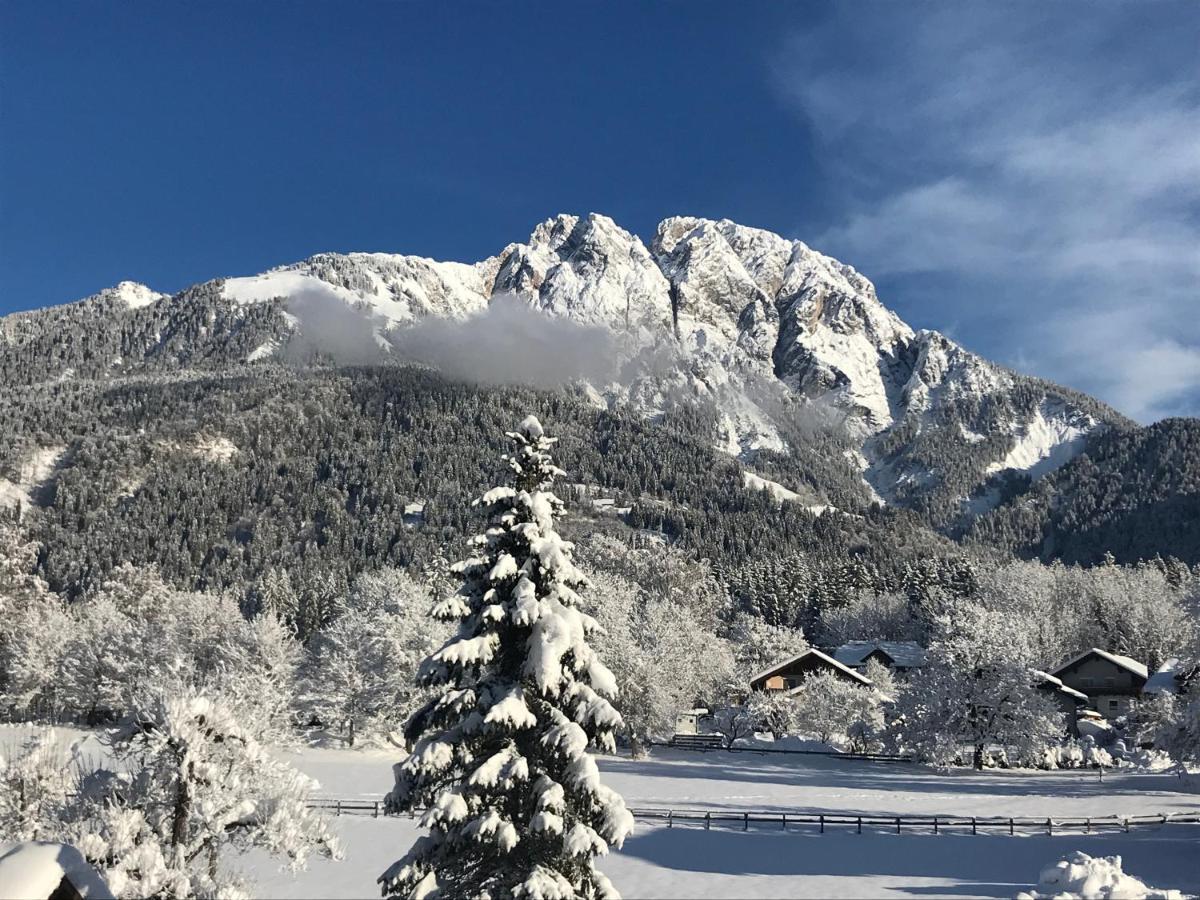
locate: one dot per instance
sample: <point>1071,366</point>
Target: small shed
<point>42,870</point>
<point>790,673</point>
<point>691,721</point>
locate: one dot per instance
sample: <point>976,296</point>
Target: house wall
<point>793,675</point>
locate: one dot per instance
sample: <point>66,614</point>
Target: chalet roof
<point>905,654</point>
<point>1122,662</point>
<point>1165,680</point>
<point>1057,684</point>
<point>811,651</point>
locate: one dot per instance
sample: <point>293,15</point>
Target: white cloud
<point>1043,157</point>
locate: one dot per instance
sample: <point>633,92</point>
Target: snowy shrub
<point>195,785</point>
<point>500,764</point>
<point>1092,878</point>
<point>828,705</point>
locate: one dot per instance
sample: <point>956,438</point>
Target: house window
<point>1114,705</point>
<point>1088,681</point>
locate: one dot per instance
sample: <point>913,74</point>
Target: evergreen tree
<point>515,806</point>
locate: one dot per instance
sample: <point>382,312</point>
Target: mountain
<point>813,383</point>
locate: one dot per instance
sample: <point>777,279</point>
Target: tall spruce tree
<point>514,803</point>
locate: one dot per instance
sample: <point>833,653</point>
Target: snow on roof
<point>1123,662</point>
<point>1058,685</point>
<point>905,654</point>
<point>767,673</point>
<point>1165,680</point>
<point>36,868</point>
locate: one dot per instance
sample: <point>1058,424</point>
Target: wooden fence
<point>820,822</point>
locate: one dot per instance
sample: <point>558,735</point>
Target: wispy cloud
<point>1043,159</point>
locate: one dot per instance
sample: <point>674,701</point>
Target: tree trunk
<point>979,757</point>
<point>351,738</point>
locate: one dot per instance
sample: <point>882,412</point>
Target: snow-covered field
<point>770,782</point>
<point>691,862</point>
<point>767,861</point>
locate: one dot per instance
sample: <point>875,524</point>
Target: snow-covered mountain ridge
<point>762,326</point>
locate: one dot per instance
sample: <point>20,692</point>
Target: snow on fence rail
<point>855,822</point>
<point>835,754</point>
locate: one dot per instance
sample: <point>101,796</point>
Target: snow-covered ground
<point>690,862</point>
<point>683,779</point>
<point>766,861</point>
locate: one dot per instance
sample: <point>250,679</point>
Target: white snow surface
<point>34,869</point>
<point>135,295</point>
<point>1050,439</point>
<point>34,470</point>
<point>657,862</point>
<point>1085,877</point>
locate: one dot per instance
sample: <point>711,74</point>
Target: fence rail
<point>834,754</point>
<point>795,819</point>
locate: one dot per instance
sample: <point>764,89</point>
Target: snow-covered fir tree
<point>515,807</point>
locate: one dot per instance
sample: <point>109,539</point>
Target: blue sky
<point>1022,176</point>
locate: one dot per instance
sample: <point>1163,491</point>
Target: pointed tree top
<point>531,428</point>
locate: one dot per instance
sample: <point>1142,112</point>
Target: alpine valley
<point>722,387</point>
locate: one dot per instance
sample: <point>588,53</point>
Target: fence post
<point>707,821</point>
<point>339,807</point>
<point>1087,824</point>
<point>376,809</point>
<point>784,820</point>
<point>1127,824</point>
<point>973,828</point>
<point>821,819</point>
<point>1049,826</point>
<point>1011,830</point>
<point>670,813</point>
<point>860,824</point>
<point>897,824</point>
<point>935,825</point>
<point>745,821</point>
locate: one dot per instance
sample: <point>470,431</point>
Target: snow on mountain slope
<point>1052,437</point>
<point>135,295</point>
<point>757,324</point>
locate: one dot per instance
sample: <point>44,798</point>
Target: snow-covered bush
<point>194,785</point>
<point>1092,878</point>
<point>513,800</point>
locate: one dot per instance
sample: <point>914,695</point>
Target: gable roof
<point>823,657</point>
<point>904,654</point>
<point>1121,662</point>
<point>1047,679</point>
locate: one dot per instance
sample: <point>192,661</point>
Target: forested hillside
<point>1133,491</point>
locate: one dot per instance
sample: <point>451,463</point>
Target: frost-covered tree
<point>36,785</point>
<point>828,705</point>
<point>772,711</point>
<point>976,688</point>
<point>664,659</point>
<point>198,786</point>
<point>362,667</point>
<point>515,807</point>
